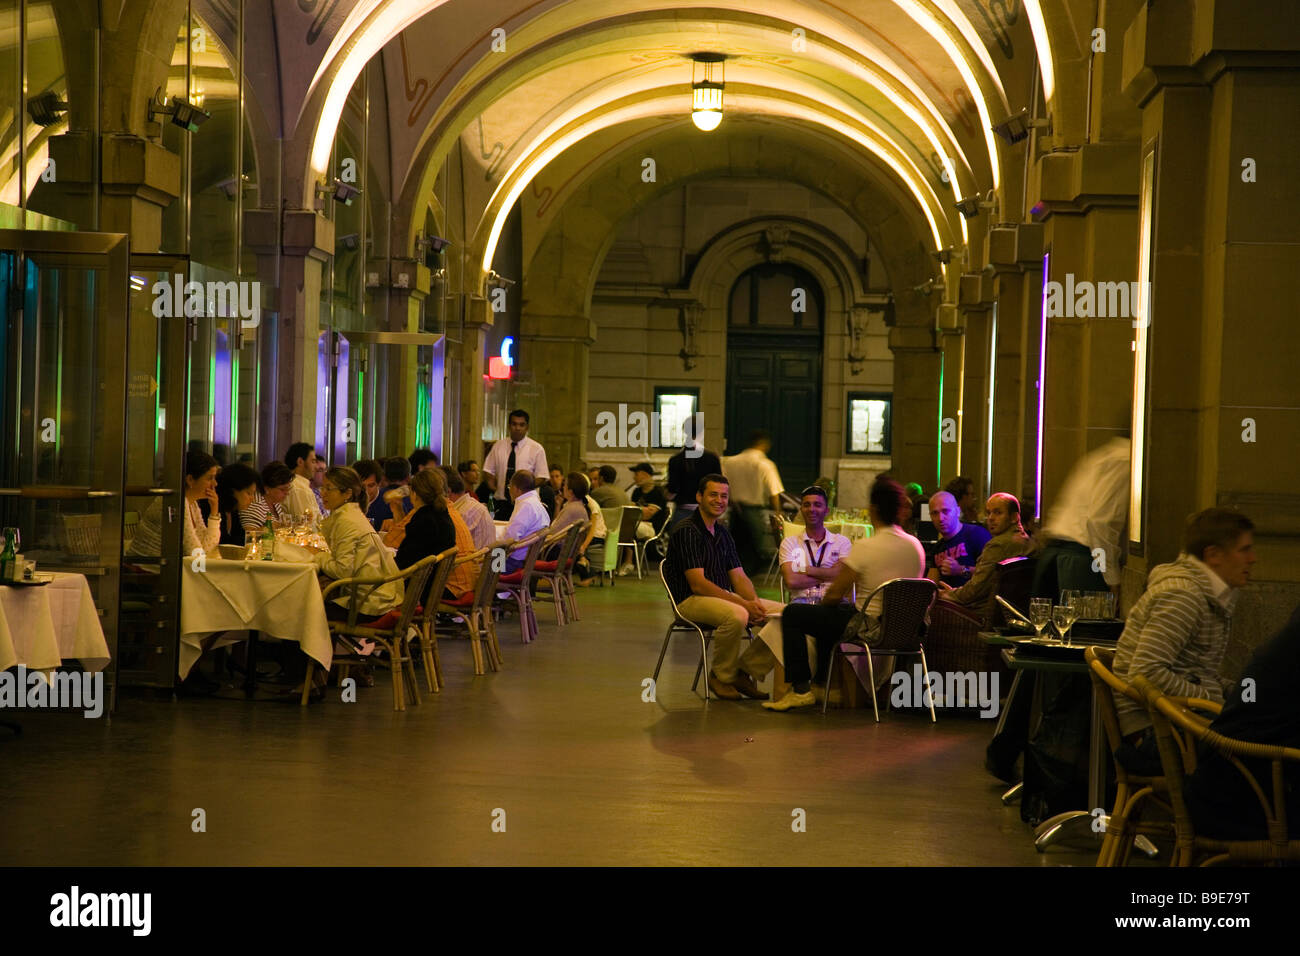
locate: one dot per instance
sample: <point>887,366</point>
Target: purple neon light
<point>1042,372</point>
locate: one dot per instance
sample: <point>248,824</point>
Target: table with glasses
<point>229,597</point>
<point>42,626</point>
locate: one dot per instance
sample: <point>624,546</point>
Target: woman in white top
<point>200,484</point>
<point>355,549</point>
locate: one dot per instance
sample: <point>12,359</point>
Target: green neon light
<point>938,458</point>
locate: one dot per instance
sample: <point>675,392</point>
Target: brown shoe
<point>725,691</point>
<point>746,684</point>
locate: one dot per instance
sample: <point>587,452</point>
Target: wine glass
<point>1040,615</point>
<point>1064,616</point>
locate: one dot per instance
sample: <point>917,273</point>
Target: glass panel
<point>46,77</point>
<point>674,408</point>
<point>868,426</point>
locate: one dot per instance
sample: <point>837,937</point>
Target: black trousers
<point>1065,565</point>
<point>825,623</point>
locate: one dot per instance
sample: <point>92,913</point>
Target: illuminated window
<point>1142,324</point>
<point>867,424</point>
<point>674,405</point>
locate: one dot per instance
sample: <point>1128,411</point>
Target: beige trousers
<point>728,622</point>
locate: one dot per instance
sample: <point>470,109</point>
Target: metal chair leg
<point>1012,795</point>
<point>826,699</point>
<point>662,651</point>
<point>925,676</point>
<point>871,678</point>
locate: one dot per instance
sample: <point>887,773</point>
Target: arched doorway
<point>774,367</point>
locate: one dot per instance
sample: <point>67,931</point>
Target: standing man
<point>515,453</point>
<point>952,558</point>
<point>605,490</point>
<point>889,553</point>
<point>1084,527</point>
<point>756,495</point>
<point>687,467</point>
<point>527,516</point>
<point>302,461</point>
<point>1008,541</point>
<point>703,573</point>
<point>1176,634</point>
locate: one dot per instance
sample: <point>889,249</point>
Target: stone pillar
<point>140,179</point>
<point>408,287</point>
<point>292,265</point>
<point>559,352</point>
<point>975,308</point>
<point>466,366</point>
<point>1222,419</point>
<point>915,428</point>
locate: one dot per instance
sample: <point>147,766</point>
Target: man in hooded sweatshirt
<point>1176,634</point>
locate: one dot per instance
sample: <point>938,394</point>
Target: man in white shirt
<point>810,559</point>
<point>302,460</point>
<point>474,513</point>
<point>1084,526</point>
<point>756,494</point>
<point>509,455</point>
<point>529,516</point>
<point>889,553</point>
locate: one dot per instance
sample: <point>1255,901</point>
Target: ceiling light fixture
<point>706,90</point>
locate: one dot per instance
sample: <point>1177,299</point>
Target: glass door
<point>63,390</point>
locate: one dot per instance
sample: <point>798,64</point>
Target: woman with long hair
<point>199,535</point>
<point>433,527</point>
<point>237,488</point>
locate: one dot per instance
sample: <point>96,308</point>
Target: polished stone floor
<point>559,750</point>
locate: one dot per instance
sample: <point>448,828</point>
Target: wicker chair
<point>426,623</point>
<point>516,582</point>
<point>389,631</point>
<point>475,610</point>
<point>1178,729</point>
<point>954,640</point>
<point>559,573</point>
<point>1132,791</point>
<point>905,608</point>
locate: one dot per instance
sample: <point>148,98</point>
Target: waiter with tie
<point>508,455</point>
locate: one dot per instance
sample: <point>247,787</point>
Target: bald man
<point>1009,541</point>
<point>952,558</point>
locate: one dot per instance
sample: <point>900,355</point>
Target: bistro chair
<point>627,534</point>
<point>681,625</point>
<point>516,582</point>
<point>425,623</point>
<point>560,574</point>
<point>474,608</point>
<point>389,631</point>
<point>905,608</point>
<point>608,562</point>
<point>1178,729</point>
<point>1132,790</point>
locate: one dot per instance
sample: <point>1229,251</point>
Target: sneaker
<point>791,700</point>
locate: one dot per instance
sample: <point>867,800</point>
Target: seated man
<point>605,489</point>
<point>472,512</point>
<point>1178,630</point>
<point>1009,541</point>
<point>529,516</point>
<point>889,553</point>
<point>1262,708</point>
<point>952,558</point>
<point>704,575</point>
<point>810,559</point>
<point>652,501</point>
<point>391,503</point>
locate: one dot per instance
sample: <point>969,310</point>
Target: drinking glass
<point>1040,615</point>
<point>1064,616</point>
<point>252,545</point>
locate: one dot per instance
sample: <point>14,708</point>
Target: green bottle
<point>268,542</point>
<point>8,558</point>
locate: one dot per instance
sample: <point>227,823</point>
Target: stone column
<point>915,429</point>
<point>466,366</point>
<point>975,307</point>
<point>291,264</point>
<point>559,352</point>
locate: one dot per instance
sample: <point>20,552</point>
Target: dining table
<point>42,626</point>
<point>224,599</point>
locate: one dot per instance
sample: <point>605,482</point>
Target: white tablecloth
<point>41,627</point>
<point>278,598</point>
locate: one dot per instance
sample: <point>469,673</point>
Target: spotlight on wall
<point>338,190</point>
<point>351,242</point>
<point>968,207</point>
<point>45,109</point>
<point>944,255</point>
<point>496,280</point>
<point>184,114</point>
<point>925,288</point>
<point>1016,128</point>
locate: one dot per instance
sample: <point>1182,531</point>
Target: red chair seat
<point>465,600</point>
<point>514,577</point>
<point>546,565</point>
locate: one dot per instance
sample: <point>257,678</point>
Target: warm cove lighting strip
<point>931,26</point>
<point>1038,26</point>
<point>972,38</point>
<point>512,186</point>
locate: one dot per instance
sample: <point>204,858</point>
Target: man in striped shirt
<point>1176,634</point>
<point>703,573</point>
